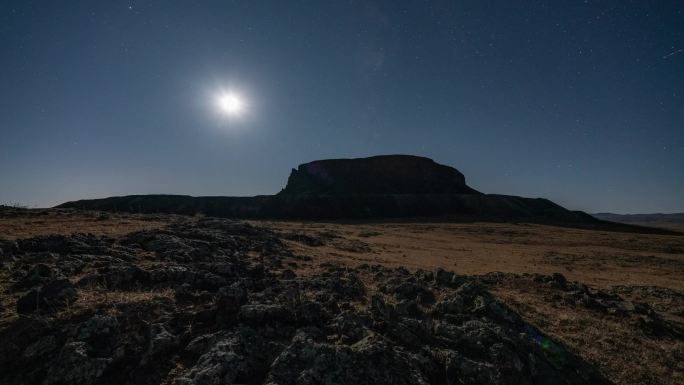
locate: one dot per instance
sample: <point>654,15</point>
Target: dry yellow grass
<point>599,258</point>
<point>45,222</point>
<point>616,345</point>
<point>100,297</point>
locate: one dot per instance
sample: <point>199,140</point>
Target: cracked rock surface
<point>219,302</point>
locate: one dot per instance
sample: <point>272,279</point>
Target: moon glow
<point>230,104</point>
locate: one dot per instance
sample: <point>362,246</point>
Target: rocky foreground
<point>217,302</point>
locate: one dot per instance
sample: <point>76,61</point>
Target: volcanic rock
<point>54,295</point>
<point>263,324</point>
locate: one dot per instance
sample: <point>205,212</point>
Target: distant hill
<point>379,187</point>
<point>656,220</point>
<point>344,206</point>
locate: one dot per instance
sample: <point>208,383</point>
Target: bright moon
<point>230,104</point>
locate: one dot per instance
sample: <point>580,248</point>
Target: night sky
<point>581,102</point>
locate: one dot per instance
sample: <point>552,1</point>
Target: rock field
<point>214,301</point>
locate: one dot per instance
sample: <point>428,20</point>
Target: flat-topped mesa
<point>380,187</point>
<point>384,174</point>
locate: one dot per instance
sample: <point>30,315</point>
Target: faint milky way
<point>673,53</point>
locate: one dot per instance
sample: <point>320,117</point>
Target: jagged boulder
<point>51,297</point>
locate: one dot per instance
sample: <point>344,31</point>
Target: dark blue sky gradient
<point>575,101</point>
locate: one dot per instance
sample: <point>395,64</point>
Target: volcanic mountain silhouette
<point>378,187</point>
